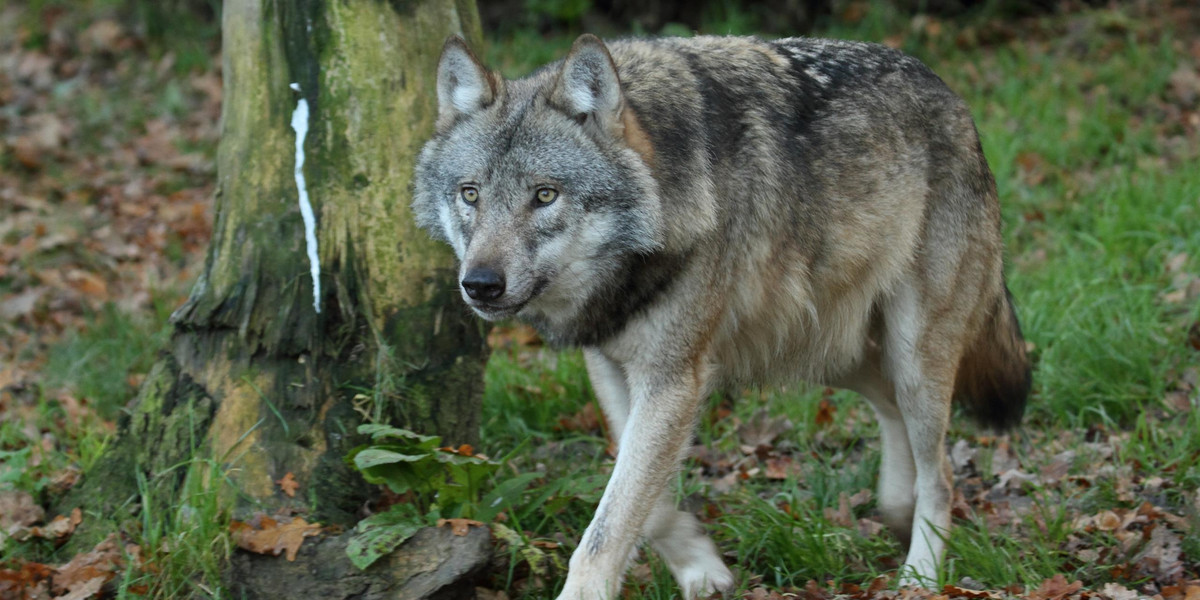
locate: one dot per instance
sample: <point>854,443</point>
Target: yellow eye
<point>469,194</point>
<point>547,195</point>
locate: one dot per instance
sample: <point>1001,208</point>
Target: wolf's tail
<point>994,374</point>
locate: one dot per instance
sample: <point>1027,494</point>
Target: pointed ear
<point>588,86</point>
<point>463,84</point>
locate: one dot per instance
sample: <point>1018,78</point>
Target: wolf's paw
<point>701,578</point>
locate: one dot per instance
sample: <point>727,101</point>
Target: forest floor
<point>1090,118</point>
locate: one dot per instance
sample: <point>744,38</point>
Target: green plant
<point>436,481</point>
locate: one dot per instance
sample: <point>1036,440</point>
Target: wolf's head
<point>540,184</point>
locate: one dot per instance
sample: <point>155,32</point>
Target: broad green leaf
<point>379,432</point>
<point>372,457</point>
<point>378,535</point>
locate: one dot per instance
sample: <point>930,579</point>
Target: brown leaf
<point>780,467</point>
<point>513,336</point>
<point>84,589</point>
<point>957,592</point>
<point>102,563</point>
<point>860,497</point>
<point>1116,591</point>
<point>288,484</point>
<point>813,591</point>
<point>1107,521</point>
<point>1033,168</point>
<point>486,594</point>
<point>1160,558</point>
<point>17,509</point>
<point>825,411</point>
<point>88,284</point>
<point>21,305</point>
<point>762,429</point>
<point>26,153</point>
<point>101,36</point>
<point>31,575</point>
<point>870,528</point>
<point>587,419</point>
<point>459,526</point>
<point>272,537</point>
<point>1056,588</point>
<point>843,516</point>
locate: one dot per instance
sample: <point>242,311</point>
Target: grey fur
<point>734,211</point>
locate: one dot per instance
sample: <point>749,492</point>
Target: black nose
<point>483,283</point>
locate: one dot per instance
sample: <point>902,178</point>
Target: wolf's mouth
<point>493,311</point>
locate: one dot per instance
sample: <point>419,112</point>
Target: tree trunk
<point>262,374</point>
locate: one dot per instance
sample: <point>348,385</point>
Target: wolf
<point>706,212</point>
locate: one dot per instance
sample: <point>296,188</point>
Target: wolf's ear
<point>588,86</point>
<point>463,84</point>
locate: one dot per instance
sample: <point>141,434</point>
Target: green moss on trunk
<point>256,378</point>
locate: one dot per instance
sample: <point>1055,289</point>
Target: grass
<point>1100,201</point>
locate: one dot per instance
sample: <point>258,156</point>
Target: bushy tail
<point>994,375</point>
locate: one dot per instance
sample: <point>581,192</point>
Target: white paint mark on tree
<point>300,125</point>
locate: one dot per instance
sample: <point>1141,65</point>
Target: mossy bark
<point>254,376</point>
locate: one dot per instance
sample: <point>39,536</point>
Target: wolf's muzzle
<point>483,283</point>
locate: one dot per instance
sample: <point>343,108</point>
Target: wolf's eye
<point>469,194</point>
<point>546,195</point>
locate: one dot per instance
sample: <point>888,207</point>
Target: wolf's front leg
<point>663,405</point>
<point>677,536</point>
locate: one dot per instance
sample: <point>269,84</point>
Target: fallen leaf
<point>1116,591</point>
<point>85,589</point>
<point>958,592</point>
<point>813,591</point>
<point>486,594</point>
<point>587,419</point>
<point>21,305</point>
<point>962,454</point>
<point>288,484</point>
<point>1014,479</point>
<point>102,563</point>
<point>1160,558</point>
<point>514,336</point>
<point>459,527</point>
<point>101,36</point>
<point>780,467</point>
<point>1056,588</point>
<point>860,497</point>
<point>825,411</point>
<point>273,537</point>
<point>869,528</point>
<point>18,509</point>
<point>842,516</point>
<point>762,429</point>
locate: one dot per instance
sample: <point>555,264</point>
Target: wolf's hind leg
<point>923,387</point>
<point>679,539</point>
